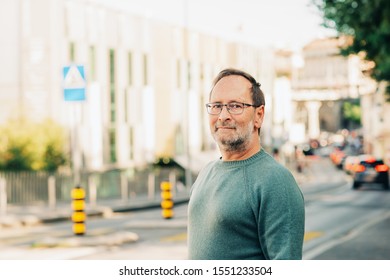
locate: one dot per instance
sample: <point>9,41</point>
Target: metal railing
<point>44,188</point>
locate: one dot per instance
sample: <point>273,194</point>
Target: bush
<point>31,146</point>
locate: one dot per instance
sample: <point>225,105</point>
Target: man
<point>244,205</point>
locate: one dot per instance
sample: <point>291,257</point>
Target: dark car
<point>369,170</point>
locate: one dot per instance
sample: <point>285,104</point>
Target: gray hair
<point>257,94</point>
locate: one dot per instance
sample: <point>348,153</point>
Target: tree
<point>368,23</point>
<point>31,146</point>
<point>352,113</point>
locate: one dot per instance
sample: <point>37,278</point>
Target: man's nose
<point>224,113</point>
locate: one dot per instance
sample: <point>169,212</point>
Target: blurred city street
<point>341,223</point>
<point>103,119</point>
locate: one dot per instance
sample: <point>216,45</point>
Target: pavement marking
<point>341,239</point>
<point>173,238</point>
<point>312,235</point>
<point>46,254</point>
<point>183,236</point>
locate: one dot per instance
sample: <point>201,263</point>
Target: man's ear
<point>259,116</point>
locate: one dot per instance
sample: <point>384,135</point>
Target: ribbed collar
<point>240,163</point>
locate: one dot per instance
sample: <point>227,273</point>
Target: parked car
<point>349,163</point>
<point>340,154</point>
<point>336,156</point>
<point>369,170</point>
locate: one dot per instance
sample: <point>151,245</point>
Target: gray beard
<point>233,145</point>
<point>236,144</point>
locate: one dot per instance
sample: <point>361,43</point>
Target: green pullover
<point>249,209</point>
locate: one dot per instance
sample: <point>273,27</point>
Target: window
<point>112,108</point>
<point>112,141</point>
<point>178,73</point>
<point>146,78</point>
<point>189,79</point>
<point>130,68</point>
<point>72,52</point>
<point>92,63</point>
<point>112,86</point>
<point>131,142</point>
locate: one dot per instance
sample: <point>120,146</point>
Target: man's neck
<point>228,155</point>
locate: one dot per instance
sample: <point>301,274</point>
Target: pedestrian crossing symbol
<point>74,83</point>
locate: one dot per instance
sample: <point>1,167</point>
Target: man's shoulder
<point>265,160</point>
<point>210,165</point>
<point>267,169</point>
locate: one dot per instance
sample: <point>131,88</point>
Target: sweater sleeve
<point>281,217</point>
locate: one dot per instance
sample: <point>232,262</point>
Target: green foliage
<point>31,146</point>
<point>53,157</point>
<point>368,22</point>
<point>352,112</point>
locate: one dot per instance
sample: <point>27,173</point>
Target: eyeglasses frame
<point>227,108</point>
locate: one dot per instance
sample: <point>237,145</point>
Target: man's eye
<point>216,106</point>
<point>235,106</point>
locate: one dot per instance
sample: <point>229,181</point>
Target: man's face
<point>234,132</point>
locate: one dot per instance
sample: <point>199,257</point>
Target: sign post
<point>74,85</point>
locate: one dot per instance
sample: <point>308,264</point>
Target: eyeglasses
<point>234,108</point>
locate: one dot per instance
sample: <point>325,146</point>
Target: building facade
<point>376,122</point>
<point>325,82</point>
<point>146,81</point>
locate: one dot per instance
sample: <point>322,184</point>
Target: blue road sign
<point>74,83</point>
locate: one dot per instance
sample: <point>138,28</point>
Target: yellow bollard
<point>78,207</point>
<point>166,200</point>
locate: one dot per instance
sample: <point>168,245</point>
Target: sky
<point>278,23</point>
